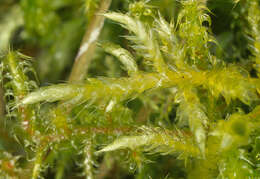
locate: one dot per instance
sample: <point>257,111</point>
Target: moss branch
<point>2,104</point>
<point>19,86</point>
<point>117,89</point>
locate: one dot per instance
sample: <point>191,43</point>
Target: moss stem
<point>88,44</point>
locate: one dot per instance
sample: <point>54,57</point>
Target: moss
<point>176,99</point>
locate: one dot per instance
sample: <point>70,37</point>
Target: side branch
<point>114,90</point>
<point>106,89</point>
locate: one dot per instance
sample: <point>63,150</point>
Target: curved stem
<point>88,44</point>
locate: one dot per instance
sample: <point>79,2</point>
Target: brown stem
<point>2,104</point>
<point>88,44</point>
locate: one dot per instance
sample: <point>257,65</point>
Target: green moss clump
<point>142,89</point>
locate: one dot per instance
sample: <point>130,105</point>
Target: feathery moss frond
<point>193,32</point>
<point>144,38</point>
<point>156,140</point>
<point>193,104</point>
<point>167,36</point>
<point>124,88</point>
<point>231,82</point>
<point>15,68</point>
<point>123,55</point>
<point>192,111</point>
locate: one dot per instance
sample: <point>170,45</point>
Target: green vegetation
<point>130,89</point>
